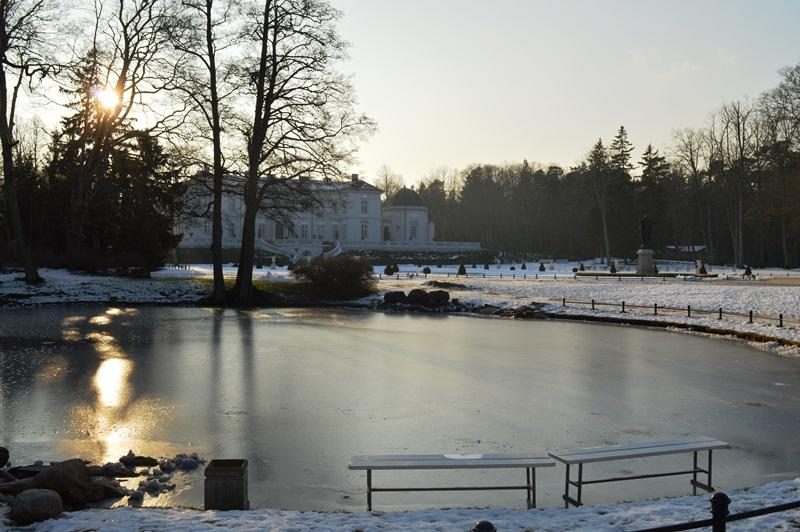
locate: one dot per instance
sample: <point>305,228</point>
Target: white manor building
<point>348,216</point>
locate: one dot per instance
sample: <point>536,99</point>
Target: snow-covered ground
<point>618,517</point>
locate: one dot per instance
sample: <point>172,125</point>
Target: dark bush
<point>462,270</point>
<point>474,267</point>
<point>541,267</point>
<point>523,267</point>
<point>426,270</point>
<point>513,268</point>
<point>485,266</point>
<point>339,277</point>
<point>613,267</point>
<point>581,267</point>
<point>389,269</point>
<point>702,270</point>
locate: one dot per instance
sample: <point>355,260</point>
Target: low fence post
<point>563,301</point>
<point>719,511</point>
<point>688,311</point>
<point>720,313</point>
<point>623,307</point>
<point>655,309</point>
<point>780,320</point>
<point>751,317</point>
<point>592,304</point>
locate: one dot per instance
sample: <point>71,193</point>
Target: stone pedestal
<point>645,266</point>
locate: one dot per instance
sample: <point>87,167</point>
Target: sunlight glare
<point>111,382</point>
<point>107,97</point>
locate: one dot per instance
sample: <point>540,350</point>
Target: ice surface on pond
<point>297,392</point>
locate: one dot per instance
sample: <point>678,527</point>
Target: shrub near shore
<point>339,277</point>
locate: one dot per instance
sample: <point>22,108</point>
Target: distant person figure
<point>646,231</point>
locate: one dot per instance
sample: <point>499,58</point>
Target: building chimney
<point>354,177</point>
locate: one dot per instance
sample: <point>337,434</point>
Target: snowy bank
<point>617,517</point>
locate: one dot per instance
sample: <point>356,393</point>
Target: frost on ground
<point>617,517</point>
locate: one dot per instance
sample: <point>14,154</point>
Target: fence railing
<point>655,309</point>
<point>721,516</point>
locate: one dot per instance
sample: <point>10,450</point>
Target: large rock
<point>32,506</point>
<point>393,298</point>
<point>132,460</point>
<point>111,488</point>
<point>437,298</point>
<point>418,297</point>
<point>71,480</point>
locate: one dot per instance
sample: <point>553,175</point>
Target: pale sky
<point>455,82</point>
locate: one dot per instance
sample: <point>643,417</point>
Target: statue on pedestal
<point>646,231</point>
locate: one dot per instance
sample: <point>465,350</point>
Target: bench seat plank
<point>638,450</point>
<point>442,461</point>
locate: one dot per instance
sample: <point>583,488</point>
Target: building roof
<point>405,197</point>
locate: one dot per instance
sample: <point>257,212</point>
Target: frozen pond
<point>297,392</point>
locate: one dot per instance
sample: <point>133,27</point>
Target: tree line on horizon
<point>731,187</point>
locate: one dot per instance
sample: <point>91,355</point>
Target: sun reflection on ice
<point>111,382</point>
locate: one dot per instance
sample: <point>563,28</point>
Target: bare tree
<point>302,118</point>
<point>690,154</point>
<point>388,181</point>
<point>200,33</point>
<point>23,59</point>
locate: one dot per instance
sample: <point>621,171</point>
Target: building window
<point>364,230</point>
<point>334,207</point>
<point>206,227</point>
<point>364,206</point>
<point>335,228</point>
<point>412,231</point>
<point>304,231</point>
<point>232,230</point>
<point>260,231</point>
<point>321,231</point>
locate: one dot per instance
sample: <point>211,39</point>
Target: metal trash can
<point>226,485</point>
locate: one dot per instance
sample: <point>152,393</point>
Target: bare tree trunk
<point>9,182</point>
<point>740,232</point>
<point>218,294</point>
<point>244,275</point>
<point>784,243</point>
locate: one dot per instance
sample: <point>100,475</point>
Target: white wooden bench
<point>644,449</point>
<point>396,462</point>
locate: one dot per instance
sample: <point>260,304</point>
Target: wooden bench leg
<point>369,490</point>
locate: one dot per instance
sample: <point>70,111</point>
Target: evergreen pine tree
<point>620,152</point>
